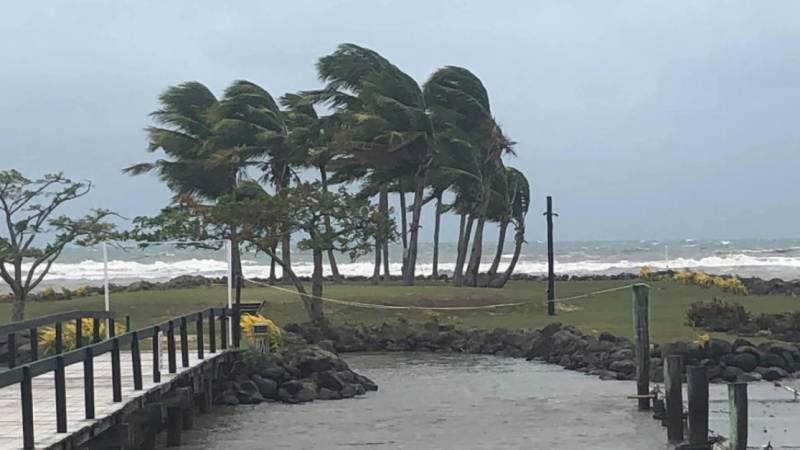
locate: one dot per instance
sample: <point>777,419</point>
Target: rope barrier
<point>433,308</point>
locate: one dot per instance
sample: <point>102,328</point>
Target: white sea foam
<point>743,263</point>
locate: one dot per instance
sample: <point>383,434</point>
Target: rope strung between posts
<point>430,308</point>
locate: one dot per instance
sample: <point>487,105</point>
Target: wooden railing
<point>31,327</point>
<point>216,317</point>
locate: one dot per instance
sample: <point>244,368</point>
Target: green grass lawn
<point>608,312</point>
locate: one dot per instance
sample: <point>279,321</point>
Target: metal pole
<point>105,285</point>
<point>551,275</point>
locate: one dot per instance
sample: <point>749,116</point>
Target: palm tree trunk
<point>501,240</point>
<point>403,218</point>
<point>323,174</point>
<point>383,205</point>
<point>315,312</point>
<point>376,272</point>
<point>416,213</point>
<point>286,241</point>
<point>519,239</point>
<point>436,225</point>
<point>473,267</point>
<point>461,256</point>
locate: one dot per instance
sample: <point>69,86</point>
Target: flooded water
<point>436,401</point>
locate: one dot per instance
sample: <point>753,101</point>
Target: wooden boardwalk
<point>44,398</point>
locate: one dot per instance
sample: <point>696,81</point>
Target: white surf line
<point>432,308</point>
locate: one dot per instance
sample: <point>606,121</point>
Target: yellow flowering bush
<point>683,277</point>
<point>275,334</point>
<point>645,272</point>
<point>47,335</point>
<point>731,284</point>
<point>6,298</point>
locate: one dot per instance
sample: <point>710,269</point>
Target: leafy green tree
<point>34,236</point>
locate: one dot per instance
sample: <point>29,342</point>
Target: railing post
<point>171,347</point>
<point>223,329</point>
<point>116,373</point>
<point>673,394</point>
<point>156,355</point>
<point>61,396</point>
<point>95,330</point>
<point>88,382</point>
<point>11,345</point>
<point>136,361</point>
<point>737,400</point>
<point>34,344</point>
<point>641,294</point>
<point>26,391</point>
<point>78,333</point>
<point>184,344</point>
<point>59,338</point>
<point>697,391</point>
<point>199,334</point>
<point>212,332</point>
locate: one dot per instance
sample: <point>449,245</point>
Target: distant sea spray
<point>764,258</point>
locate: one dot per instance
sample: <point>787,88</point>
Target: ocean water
<point>779,258</point>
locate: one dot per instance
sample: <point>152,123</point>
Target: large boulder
<point>745,361</point>
<point>717,348</point>
<point>313,359</point>
<point>267,387</point>
<point>774,373</point>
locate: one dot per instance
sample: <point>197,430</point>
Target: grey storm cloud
<point>643,119</point>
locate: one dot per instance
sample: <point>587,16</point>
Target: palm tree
<point>460,106</point>
<point>518,202</point>
<point>385,123</point>
<point>209,143</point>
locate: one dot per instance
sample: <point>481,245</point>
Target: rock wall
<point>603,355</point>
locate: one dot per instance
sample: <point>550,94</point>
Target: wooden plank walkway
<point>44,417</point>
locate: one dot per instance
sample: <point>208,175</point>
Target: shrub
<point>47,336</point>
<point>645,272</point>
<point>718,315</point>
<point>275,334</point>
<point>683,277</point>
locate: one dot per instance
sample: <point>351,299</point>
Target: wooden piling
<point>641,295</point>
<point>697,391</point>
<point>673,394</point>
<point>737,399</point>
<point>174,426</point>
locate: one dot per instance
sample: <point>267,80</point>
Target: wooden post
<point>187,422</point>
<point>136,362</point>
<point>673,395</point>
<point>551,273</point>
<point>95,330</point>
<point>206,395</point>
<point>78,333</point>
<point>59,338</point>
<point>61,396</point>
<point>88,382</point>
<point>116,371</point>
<point>223,330</point>
<point>127,324</point>
<point>184,343</point>
<point>212,332</point>
<point>641,330</point>
<point>697,390</point>
<point>737,399</point>
<point>171,363</point>
<point>156,355</point>
<point>199,335</point>
<point>34,344</point>
<point>174,426</point>
<point>26,391</point>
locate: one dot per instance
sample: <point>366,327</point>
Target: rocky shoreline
<point>603,355</point>
<point>303,372</point>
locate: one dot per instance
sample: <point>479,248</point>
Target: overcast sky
<point>644,120</point>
